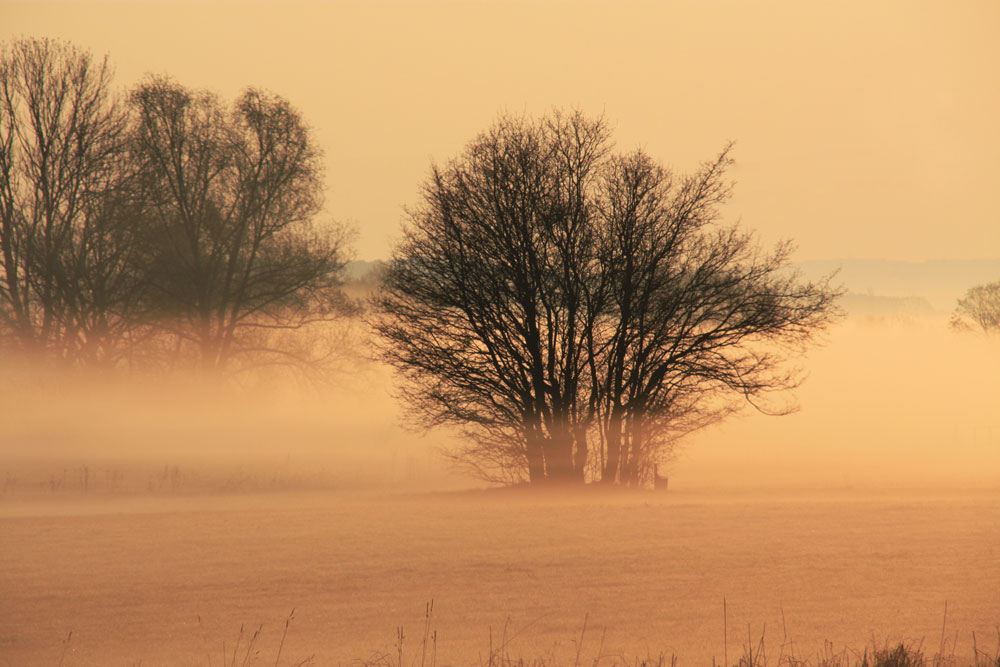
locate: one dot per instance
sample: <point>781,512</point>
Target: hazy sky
<point>863,129</point>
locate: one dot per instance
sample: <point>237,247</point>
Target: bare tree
<point>979,309</point>
<point>484,311</point>
<point>68,285</point>
<point>236,260</point>
<point>698,315</point>
<point>547,293</point>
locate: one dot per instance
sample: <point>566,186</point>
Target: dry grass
<point>245,653</point>
<point>755,653</point>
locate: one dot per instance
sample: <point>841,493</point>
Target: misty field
<point>171,580</point>
<point>284,285</point>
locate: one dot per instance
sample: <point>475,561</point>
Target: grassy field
<point>172,579</point>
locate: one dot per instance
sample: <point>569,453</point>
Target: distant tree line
<point>159,227</point>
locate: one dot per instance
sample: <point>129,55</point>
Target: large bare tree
<point>576,311</point>
<point>235,255</point>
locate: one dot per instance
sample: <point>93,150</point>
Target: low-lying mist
<point>188,432</point>
<point>887,404</point>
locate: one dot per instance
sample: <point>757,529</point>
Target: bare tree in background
<point>979,309</point>
<point>235,258</point>
<point>577,311</point>
<point>68,288</point>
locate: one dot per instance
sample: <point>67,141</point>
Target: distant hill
<point>895,307</point>
<point>360,269</point>
<point>875,287</point>
<point>940,283</point>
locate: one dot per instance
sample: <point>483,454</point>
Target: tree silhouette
<point>576,311</point>
<point>979,309</point>
<point>125,227</point>
<point>68,287</point>
<point>234,255</point>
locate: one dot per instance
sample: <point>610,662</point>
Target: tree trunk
<point>580,454</point>
<point>614,436</point>
<point>536,459</point>
<point>559,457</point>
<point>633,459</point>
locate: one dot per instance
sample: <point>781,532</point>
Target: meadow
<point>171,579</point>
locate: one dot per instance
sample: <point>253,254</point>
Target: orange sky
<point>863,129</point>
